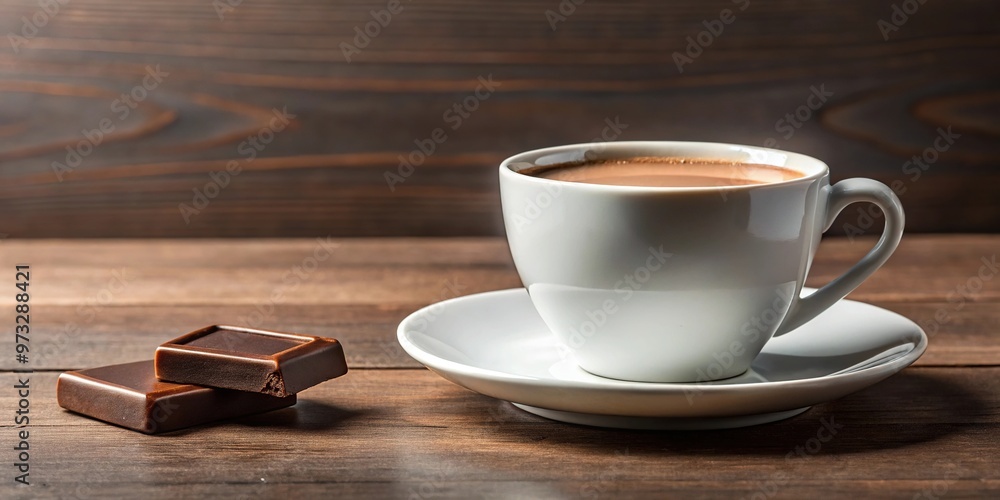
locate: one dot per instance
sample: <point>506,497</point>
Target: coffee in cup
<point>663,172</point>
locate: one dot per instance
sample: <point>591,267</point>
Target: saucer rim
<point>438,364</point>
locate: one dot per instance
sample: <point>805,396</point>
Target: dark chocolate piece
<point>272,363</point>
<point>130,395</point>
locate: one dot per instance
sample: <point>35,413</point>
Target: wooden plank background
<point>225,69</point>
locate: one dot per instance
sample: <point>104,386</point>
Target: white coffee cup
<point>678,284</point>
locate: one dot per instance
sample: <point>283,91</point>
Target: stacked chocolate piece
<point>210,374</point>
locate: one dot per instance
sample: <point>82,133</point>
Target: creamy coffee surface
<point>664,172</point>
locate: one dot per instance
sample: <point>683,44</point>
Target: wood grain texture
<point>225,73</point>
<point>967,337</point>
<point>414,271</point>
<point>393,429</point>
<point>164,288</point>
<point>392,433</point>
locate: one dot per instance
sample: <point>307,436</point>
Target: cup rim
<point>811,168</point>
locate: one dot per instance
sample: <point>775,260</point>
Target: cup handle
<point>842,194</point>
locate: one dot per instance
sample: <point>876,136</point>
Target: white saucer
<point>495,344</point>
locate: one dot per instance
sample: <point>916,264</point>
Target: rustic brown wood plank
<point>325,173</point>
<point>392,432</point>
<point>72,337</point>
<point>83,311</point>
<point>956,269</point>
<point>414,271</point>
<point>328,285</point>
<point>959,334</point>
<point>268,253</point>
<point>68,337</point>
<point>600,485</point>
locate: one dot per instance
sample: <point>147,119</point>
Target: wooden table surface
<point>393,428</point>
